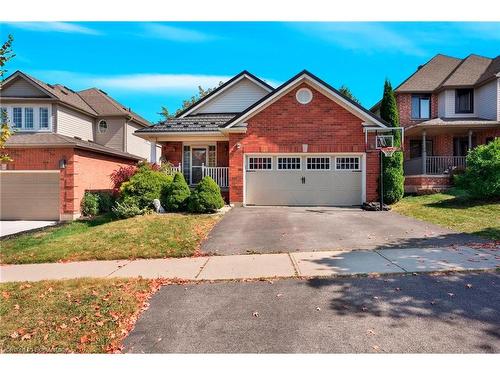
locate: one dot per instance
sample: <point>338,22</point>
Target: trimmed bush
<point>174,198</point>
<point>393,178</point>
<point>143,187</point>
<point>125,210</point>
<point>90,204</point>
<point>481,178</point>
<point>106,201</point>
<point>206,197</point>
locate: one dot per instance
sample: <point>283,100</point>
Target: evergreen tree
<point>392,173</point>
<point>346,91</point>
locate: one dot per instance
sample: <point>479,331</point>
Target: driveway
<point>246,230</point>
<point>404,314</point>
<point>17,226</point>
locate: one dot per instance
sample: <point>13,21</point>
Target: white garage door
<point>29,195</point>
<point>299,180</point>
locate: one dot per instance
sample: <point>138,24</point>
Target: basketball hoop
<point>388,151</point>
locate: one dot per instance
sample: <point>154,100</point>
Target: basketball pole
<point>381,181</point>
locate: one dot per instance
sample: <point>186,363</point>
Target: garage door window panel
<point>289,163</point>
<point>318,163</point>
<point>260,163</point>
<point>347,163</point>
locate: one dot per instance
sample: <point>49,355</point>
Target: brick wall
<point>286,124</point>
<point>172,152</point>
<point>223,154</point>
<point>403,101</point>
<point>423,184</point>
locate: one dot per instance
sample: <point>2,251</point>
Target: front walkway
<point>299,264</point>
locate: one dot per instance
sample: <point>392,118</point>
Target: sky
<point>149,65</point>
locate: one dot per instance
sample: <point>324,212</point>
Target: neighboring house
<point>302,143</point>
<point>448,106</point>
<point>64,143</point>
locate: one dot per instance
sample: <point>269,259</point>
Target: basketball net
<point>389,151</point>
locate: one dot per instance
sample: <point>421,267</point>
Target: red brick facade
<point>404,106</point>
<point>172,152</point>
<point>424,184</point>
<point>85,170</point>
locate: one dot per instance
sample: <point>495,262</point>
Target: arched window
<point>102,127</point>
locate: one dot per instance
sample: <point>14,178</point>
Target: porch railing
<point>173,169</point>
<point>434,165</point>
<point>219,174</point>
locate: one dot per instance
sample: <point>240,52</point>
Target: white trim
<point>363,178</point>
<point>347,170</point>
<point>197,106</point>
<point>318,157</point>
<point>31,171</point>
<point>288,156</point>
<point>36,116</point>
<point>303,77</point>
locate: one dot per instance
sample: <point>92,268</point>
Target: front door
<point>461,145</point>
<point>199,158</point>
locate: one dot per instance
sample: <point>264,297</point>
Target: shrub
<point>206,197</point>
<point>124,210</point>
<point>174,198</point>
<point>90,204</point>
<point>144,186</point>
<point>393,178</point>
<point>121,175</point>
<point>481,178</point>
<point>106,201</point>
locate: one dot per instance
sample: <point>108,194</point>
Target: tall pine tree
<point>393,166</point>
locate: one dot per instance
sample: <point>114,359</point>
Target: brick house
<point>447,107</point>
<point>64,143</point>
<point>302,143</point>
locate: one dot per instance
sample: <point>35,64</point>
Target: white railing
<point>174,169</point>
<point>219,174</point>
<point>444,164</point>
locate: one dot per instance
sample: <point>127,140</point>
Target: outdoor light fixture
<point>62,163</point>
<point>304,147</point>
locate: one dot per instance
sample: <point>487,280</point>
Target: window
<point>289,163</point>
<point>28,118</point>
<point>17,117</point>
<point>318,163</point>
<point>464,101</point>
<point>416,148</point>
<point>102,127</point>
<point>44,118</point>
<point>347,163</point>
<point>304,96</point>
<point>385,141</point>
<point>420,106</point>
<point>260,163</point>
<point>211,156</point>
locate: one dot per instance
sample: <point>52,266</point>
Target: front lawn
<point>456,211</point>
<point>82,316</point>
<point>148,236</point>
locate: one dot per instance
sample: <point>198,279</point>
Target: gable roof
<point>197,123</point>
<point>222,88</point>
<point>92,101</point>
<point>104,105</point>
<point>347,102</point>
<point>491,72</point>
<point>428,77</point>
<point>467,72</point>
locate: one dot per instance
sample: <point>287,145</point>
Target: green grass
<point>148,236</point>
<point>455,210</point>
<point>83,315</point>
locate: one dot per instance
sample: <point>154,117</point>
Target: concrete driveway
<point>246,230</point>
<point>403,314</point>
<point>8,227</point>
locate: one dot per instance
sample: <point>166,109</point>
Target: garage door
<point>29,195</point>
<point>315,180</point>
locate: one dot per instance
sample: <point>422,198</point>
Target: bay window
<point>17,117</point>
<point>27,117</point>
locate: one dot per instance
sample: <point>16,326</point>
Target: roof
<point>58,140</point>
<point>222,87</point>
<point>445,71</point>
<point>197,123</point>
<point>93,101</point>
<point>429,76</point>
<point>105,105</point>
<point>351,102</point>
<point>458,121</point>
<point>468,72</point>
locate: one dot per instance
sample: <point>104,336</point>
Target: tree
<point>392,174</point>
<point>6,54</point>
<point>165,113</point>
<point>344,90</point>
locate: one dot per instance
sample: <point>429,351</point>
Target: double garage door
<point>29,195</point>
<point>304,180</point>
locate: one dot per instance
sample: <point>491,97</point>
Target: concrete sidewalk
<point>307,264</point>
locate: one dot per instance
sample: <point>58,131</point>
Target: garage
<point>29,195</point>
<point>304,180</point>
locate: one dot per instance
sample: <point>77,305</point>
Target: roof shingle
<point>197,123</point>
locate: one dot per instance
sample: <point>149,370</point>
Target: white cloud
<point>363,37</point>
<point>60,27</point>
<point>174,33</point>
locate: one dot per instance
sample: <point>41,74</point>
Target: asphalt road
<point>288,229</point>
<point>404,314</point>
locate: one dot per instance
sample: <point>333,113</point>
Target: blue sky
<point>147,65</point>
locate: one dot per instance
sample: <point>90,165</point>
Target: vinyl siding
<point>450,105</point>
<point>487,100</point>
<point>235,99</point>
<point>442,104</point>
<point>22,89</point>
<point>136,145</point>
<point>114,137</point>
<point>74,124</point>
